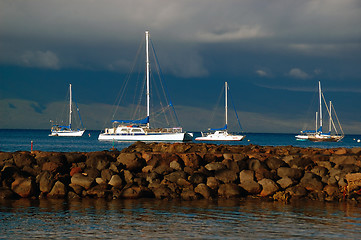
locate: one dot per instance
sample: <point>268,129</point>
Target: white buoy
<point>358,140</point>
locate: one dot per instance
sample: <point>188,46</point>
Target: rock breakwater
<point>186,171</point>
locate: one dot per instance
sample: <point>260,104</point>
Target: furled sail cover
<point>219,129</point>
<point>141,121</point>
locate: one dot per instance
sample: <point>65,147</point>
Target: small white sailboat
<point>140,130</point>
<point>318,135</point>
<point>221,134</point>
<point>67,131</point>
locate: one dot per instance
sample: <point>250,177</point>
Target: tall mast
<point>316,120</point>
<point>147,70</point>
<point>70,111</point>
<point>320,93</point>
<point>226,104</point>
<point>329,127</point>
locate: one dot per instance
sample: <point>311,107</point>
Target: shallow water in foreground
<point>149,218</point>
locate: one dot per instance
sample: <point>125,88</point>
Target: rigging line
<point>234,107</point>
<point>216,107</point>
<point>334,111</point>
<point>77,109</point>
<point>160,100</point>
<point>122,91</point>
<point>166,90</point>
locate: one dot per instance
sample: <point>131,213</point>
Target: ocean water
<point>20,140</point>
<point>154,219</point>
<point>158,219</point>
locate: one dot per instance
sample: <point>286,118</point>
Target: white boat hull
<point>220,136</point>
<point>153,137</point>
<point>69,133</point>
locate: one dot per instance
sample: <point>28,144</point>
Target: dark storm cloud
<point>101,32</point>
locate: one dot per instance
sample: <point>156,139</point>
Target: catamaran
<point>140,130</point>
<point>67,131</point>
<point>221,134</point>
<point>318,135</point>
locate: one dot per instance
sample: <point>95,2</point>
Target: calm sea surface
<point>20,140</point>
<point>149,218</point>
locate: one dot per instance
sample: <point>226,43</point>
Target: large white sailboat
<point>318,135</point>
<point>67,131</point>
<point>221,134</point>
<point>140,130</point>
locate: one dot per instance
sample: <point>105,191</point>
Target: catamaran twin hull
<point>153,137</point>
<point>69,133</point>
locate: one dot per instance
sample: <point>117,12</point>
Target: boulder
<point>312,182</point>
<point>229,190</point>
<point>203,190</point>
<point>275,163</point>
<point>285,182</point>
<point>82,180</point>
<point>24,187</point>
<point>46,181</point>
<point>135,192</point>
<point>197,178</point>
<point>246,175</point>
<point>132,161</point>
<point>6,193</point>
<point>297,191</point>
<point>174,176</point>
<point>116,181</point>
<point>75,170</point>
<point>251,186</point>
<point>191,160</point>
<point>226,176</point>
<point>353,181</point>
<point>189,194</point>
<point>269,187</point>
<point>215,166</point>
<point>212,183</point>
<point>58,191</point>
<point>100,191</point>
<point>293,173</point>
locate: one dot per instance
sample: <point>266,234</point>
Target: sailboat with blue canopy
<point>222,134</point>
<point>68,130</point>
<point>140,129</point>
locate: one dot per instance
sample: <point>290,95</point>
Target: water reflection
<point>149,218</point>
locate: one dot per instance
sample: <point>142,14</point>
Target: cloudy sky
<point>272,53</point>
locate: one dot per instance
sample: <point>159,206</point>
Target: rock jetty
<point>186,171</point>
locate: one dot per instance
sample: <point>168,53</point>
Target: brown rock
<point>203,190</point>
<point>24,187</point>
<point>251,186</point>
<point>312,182</point>
<point>75,170</point>
<point>174,176</point>
<point>191,160</point>
<point>81,180</point>
<point>229,190</point>
<point>46,181</point>
<point>285,182</point>
<point>116,181</point>
<point>269,187</point>
<point>297,191</point>
<point>212,183</point>
<point>132,161</point>
<point>293,173</point>
<point>215,166</point>
<point>353,181</point>
<point>189,194</point>
<point>341,151</point>
<point>226,175</point>
<point>6,193</point>
<point>58,190</point>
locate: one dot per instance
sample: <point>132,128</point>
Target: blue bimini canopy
<point>141,121</point>
<point>219,129</point>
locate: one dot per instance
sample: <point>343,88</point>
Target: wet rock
<point>163,192</point>
<point>252,187</point>
<point>353,181</point>
<point>285,182</point>
<point>58,191</point>
<point>6,193</point>
<point>135,192</point>
<point>132,161</point>
<point>229,190</point>
<point>312,182</point>
<point>75,170</point>
<point>24,187</point>
<point>46,181</point>
<point>99,191</point>
<point>81,180</point>
<point>189,194</point>
<point>116,181</point>
<point>212,183</point>
<point>269,187</point>
<point>203,190</point>
<point>174,176</point>
<point>197,178</point>
<point>226,176</point>
<point>293,173</point>
<point>297,191</point>
<point>215,166</point>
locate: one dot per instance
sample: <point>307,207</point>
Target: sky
<point>272,54</point>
